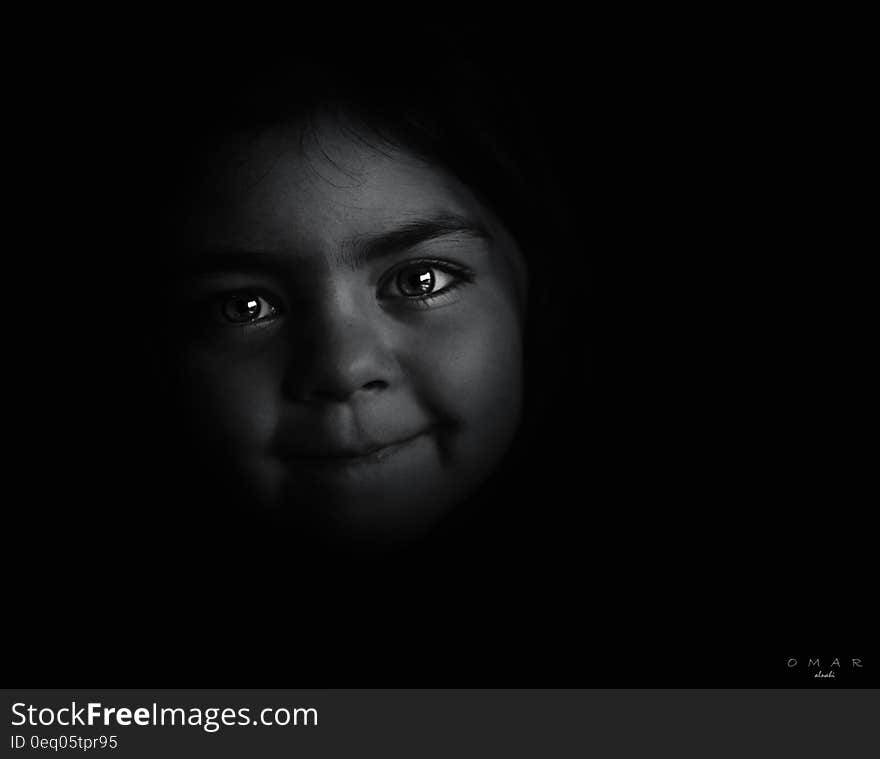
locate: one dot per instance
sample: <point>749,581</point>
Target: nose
<point>341,350</point>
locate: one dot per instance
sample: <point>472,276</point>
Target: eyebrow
<point>409,235</point>
<point>356,252</point>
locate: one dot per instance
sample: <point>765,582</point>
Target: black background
<point>704,518</point>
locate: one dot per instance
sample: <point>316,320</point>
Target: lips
<point>348,453</point>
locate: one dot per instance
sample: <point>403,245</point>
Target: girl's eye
<point>416,281</point>
<point>423,280</point>
<point>246,308</point>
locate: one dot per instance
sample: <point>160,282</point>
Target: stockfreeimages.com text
<point>211,719</point>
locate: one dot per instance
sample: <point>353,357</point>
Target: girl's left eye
<point>422,280</point>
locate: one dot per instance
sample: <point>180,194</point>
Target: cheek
<point>233,401</point>
<point>469,367</point>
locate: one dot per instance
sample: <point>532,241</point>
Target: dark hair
<point>450,109</point>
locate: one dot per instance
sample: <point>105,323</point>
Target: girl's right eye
<point>242,308</point>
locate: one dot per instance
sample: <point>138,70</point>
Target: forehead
<point>316,185</point>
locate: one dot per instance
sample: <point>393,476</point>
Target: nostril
<point>375,385</point>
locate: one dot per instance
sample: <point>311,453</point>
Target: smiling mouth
<point>373,453</point>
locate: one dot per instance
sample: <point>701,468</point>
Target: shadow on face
<point>349,347</point>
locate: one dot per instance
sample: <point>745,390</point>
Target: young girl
<point>343,280</point>
<point>351,271</point>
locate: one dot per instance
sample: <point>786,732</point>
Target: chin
<point>367,521</point>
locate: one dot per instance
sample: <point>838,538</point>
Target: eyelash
<point>219,301</point>
<point>461,276</point>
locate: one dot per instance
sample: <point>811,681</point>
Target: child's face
<point>351,330</point>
